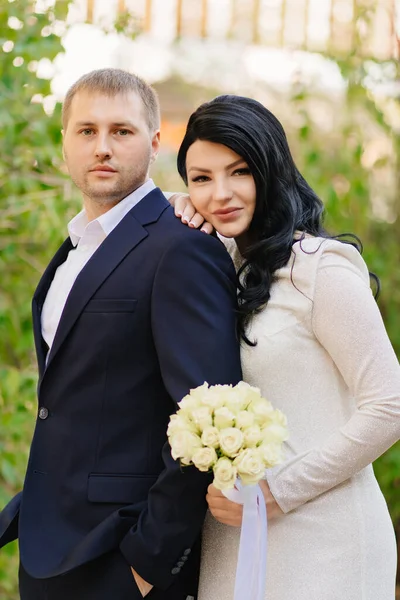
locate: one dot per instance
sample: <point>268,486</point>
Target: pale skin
<point>108,148</point>
<point>222,196</point>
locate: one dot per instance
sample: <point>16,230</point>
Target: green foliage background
<point>36,201</point>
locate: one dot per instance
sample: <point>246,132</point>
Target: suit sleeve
<point>194,329</point>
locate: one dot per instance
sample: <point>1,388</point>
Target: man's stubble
<point>108,193</point>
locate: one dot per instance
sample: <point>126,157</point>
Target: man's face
<point>108,146</point>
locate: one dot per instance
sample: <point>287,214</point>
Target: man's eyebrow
<point>124,124</point>
<point>234,164</point>
<point>115,124</point>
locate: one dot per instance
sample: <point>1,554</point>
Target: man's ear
<point>155,145</point>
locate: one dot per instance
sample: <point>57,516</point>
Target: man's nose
<point>103,147</point>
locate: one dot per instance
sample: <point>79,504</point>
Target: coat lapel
<point>39,298</point>
<point>126,235</point>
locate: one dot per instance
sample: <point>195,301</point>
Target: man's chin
<point>105,194</point>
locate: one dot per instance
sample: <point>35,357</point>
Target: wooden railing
<point>334,27</point>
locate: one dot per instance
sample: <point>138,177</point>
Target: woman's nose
<point>222,191</point>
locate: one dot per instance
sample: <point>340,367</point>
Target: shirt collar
<point>109,220</point>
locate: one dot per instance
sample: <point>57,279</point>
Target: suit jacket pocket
<point>111,305</point>
<point>119,489</point>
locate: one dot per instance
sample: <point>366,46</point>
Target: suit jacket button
<point>176,570</point>
<point>180,564</point>
<point>187,552</point>
<point>43,413</point>
<point>183,558</point>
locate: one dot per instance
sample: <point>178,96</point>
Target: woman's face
<point>221,187</point>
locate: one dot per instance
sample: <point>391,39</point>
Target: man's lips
<point>103,168</point>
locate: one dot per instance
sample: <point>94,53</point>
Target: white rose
<point>250,466</point>
<point>223,417</point>
<point>247,392</point>
<point>244,419</point>
<point>215,397</point>
<point>188,404</point>
<point>199,392</point>
<point>272,454</point>
<point>178,422</point>
<point>183,444</point>
<point>210,437</point>
<point>202,416</point>
<point>262,411</point>
<point>224,474</point>
<point>231,441</point>
<point>276,431</point>
<point>274,434</point>
<point>204,458</point>
<point>252,436</point>
<point>235,401</point>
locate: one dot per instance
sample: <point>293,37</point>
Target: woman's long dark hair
<point>285,203</point>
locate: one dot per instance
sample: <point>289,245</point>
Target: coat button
<point>43,413</point>
<point>183,558</point>
<point>176,570</point>
<point>180,564</point>
<point>187,552</point>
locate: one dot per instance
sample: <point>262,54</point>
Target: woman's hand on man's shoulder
<point>186,212</point>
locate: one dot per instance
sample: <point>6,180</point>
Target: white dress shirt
<point>86,236</point>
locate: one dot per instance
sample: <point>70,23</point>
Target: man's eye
<point>87,132</point>
<point>123,132</point>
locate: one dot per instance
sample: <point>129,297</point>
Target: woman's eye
<point>200,179</point>
<point>242,171</point>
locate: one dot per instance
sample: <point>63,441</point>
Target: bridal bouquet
<point>236,433</point>
<point>231,430</point>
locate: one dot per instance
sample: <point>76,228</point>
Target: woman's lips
<point>227,214</point>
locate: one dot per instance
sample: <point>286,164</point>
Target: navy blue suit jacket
<point>151,315</point>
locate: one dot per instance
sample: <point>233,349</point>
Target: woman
<point>315,343</point>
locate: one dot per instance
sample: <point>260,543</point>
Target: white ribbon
<point>251,568</point>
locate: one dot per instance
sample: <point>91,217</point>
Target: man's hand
<point>231,513</point>
<point>143,586</point>
<point>185,210</point>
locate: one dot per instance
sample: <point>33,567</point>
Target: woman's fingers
<point>222,509</point>
<point>207,227</point>
<point>195,221</point>
<point>181,202</point>
<point>185,210</point>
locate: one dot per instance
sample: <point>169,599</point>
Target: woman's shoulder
<point>328,252</point>
<point>314,257</point>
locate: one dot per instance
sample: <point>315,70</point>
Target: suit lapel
<point>39,298</point>
<point>126,235</point>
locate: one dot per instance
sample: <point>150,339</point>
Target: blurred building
<point>328,26</point>
<point>193,49</point>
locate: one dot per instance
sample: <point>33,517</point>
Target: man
<point>133,311</point>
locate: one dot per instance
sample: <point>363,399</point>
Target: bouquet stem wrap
<point>251,568</point>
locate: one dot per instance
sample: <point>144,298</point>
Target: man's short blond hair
<point>111,82</point>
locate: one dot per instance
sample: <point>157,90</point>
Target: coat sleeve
<point>194,329</point>
<point>347,323</point>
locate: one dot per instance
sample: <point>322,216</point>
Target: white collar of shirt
<point>79,228</point>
